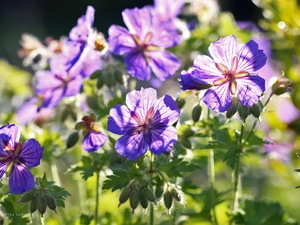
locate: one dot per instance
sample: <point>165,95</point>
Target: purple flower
<point>19,156</point>
<point>143,45</point>
<point>167,10</point>
<point>145,123</point>
<point>278,150</point>
<point>56,84</point>
<point>231,74</point>
<point>93,136</point>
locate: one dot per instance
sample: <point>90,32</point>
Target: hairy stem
<point>42,220</point>
<point>151,211</point>
<point>97,196</point>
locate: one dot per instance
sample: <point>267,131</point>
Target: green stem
<point>97,196</point>
<point>174,217</point>
<point>151,211</point>
<point>211,164</point>
<point>236,171</point>
<point>42,220</point>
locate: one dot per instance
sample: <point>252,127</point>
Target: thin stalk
<point>97,196</point>
<point>236,171</point>
<point>174,217</point>
<point>151,211</point>
<point>42,220</point>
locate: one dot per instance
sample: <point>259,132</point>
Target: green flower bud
<point>96,74</point>
<point>233,109</point>
<point>119,77</point>
<point>255,110</point>
<point>51,203</point>
<point>143,201</point>
<point>72,139</point>
<point>282,85</point>
<point>134,199</point>
<point>196,113</point>
<point>244,112</point>
<point>26,197</point>
<point>168,199</point>
<point>186,143</point>
<point>100,82</point>
<point>80,126</point>
<point>180,102</point>
<point>124,195</point>
<point>176,195</point>
<point>33,205</point>
<point>159,191</point>
<point>93,117</point>
<point>149,195</point>
<point>110,80</point>
<point>42,204</point>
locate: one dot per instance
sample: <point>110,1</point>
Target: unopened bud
<point>180,102</point>
<point>26,197</point>
<point>80,126</point>
<point>149,195</point>
<point>233,109</point>
<point>282,85</point>
<point>72,139</point>
<point>196,113</point>
<point>168,199</point>
<point>176,195</point>
<point>51,203</point>
<point>143,201</point>
<point>124,195</point>
<point>244,112</point>
<point>134,199</point>
<point>33,205</point>
<point>256,109</point>
<point>42,204</point>
<point>159,191</point>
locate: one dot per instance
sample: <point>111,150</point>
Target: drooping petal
<point>140,102</point>
<point>224,50</point>
<point>218,98</point>
<point>132,146</point>
<point>137,65</point>
<point>205,71</point>
<point>250,89</point>
<point>3,167</point>
<point>120,40</point>
<point>84,26</point>
<point>28,111</point>
<point>138,21</point>
<point>20,179</point>
<point>168,10</point>
<point>251,58</point>
<point>9,135</point>
<point>163,139</point>
<point>163,63</point>
<point>166,112</point>
<point>31,153</point>
<point>120,120</point>
<point>93,141</point>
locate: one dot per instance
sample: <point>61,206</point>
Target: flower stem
<point>97,196</point>
<point>42,219</point>
<point>236,171</point>
<point>211,164</point>
<point>151,210</point>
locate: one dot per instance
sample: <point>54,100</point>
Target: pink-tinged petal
<point>59,64</point>
<point>137,65</point>
<point>166,112</point>
<point>53,97</point>
<point>132,146</point>
<point>138,21</point>
<point>74,87</point>
<point>163,63</point>
<point>27,112</point>
<point>120,40</point>
<point>120,120</point>
<point>218,98</point>
<point>205,71</point>
<point>251,58</point>
<point>224,50</point>
<point>10,135</point>
<point>20,179</point>
<point>250,89</point>
<point>93,141</point>
<point>163,139</point>
<point>84,26</point>
<point>165,35</point>
<point>3,167</point>
<point>31,153</point>
<point>91,63</point>
<point>47,81</point>
<point>139,102</point>
<point>168,10</point>
<point>286,110</point>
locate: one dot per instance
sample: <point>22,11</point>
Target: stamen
<point>222,68</point>
<point>234,64</point>
<point>233,87</point>
<point>220,81</point>
<point>241,74</point>
<point>137,40</point>
<point>148,38</point>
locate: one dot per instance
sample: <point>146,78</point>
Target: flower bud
<point>134,199</point>
<point>168,199</point>
<point>26,197</point>
<point>100,82</point>
<point>51,203</point>
<point>33,205</point>
<point>42,204</point>
<point>159,191</point>
<point>143,201</point>
<point>124,195</point>
<point>176,195</point>
<point>149,195</point>
<point>282,85</point>
<point>196,113</point>
<point>80,126</point>
<point>244,112</point>
<point>180,102</point>
<point>72,139</point>
<point>232,110</point>
<point>256,109</point>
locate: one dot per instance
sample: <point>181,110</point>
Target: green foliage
<point>232,156</point>
<point>85,219</point>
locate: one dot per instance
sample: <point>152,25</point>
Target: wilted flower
<point>20,156</point>
<point>94,138</point>
<point>145,123</point>
<point>143,45</point>
<point>230,73</point>
<point>282,85</point>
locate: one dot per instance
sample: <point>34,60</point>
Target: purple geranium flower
<point>143,45</point>
<point>231,74</point>
<point>94,138</point>
<point>145,123</point>
<point>56,84</point>
<point>20,156</point>
<point>167,10</point>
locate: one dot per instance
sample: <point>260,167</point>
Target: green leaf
<point>85,219</point>
<point>231,156</point>
<point>118,180</point>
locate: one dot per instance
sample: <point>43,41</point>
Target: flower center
<point>146,124</point>
<point>230,75</point>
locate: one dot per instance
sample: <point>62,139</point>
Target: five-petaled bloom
<point>143,45</point>
<point>94,138</point>
<point>20,156</point>
<point>229,74</point>
<point>145,123</point>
